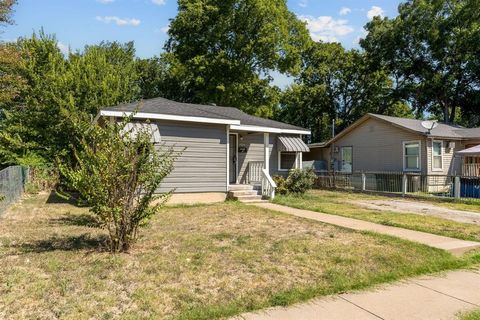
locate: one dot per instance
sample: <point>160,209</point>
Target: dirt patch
<point>421,208</point>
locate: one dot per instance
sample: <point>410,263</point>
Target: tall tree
<point>11,83</point>
<point>222,51</point>
<point>432,50</point>
<point>336,84</point>
<point>103,75</point>
<point>37,123</point>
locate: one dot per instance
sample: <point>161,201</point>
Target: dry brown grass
<point>190,263</point>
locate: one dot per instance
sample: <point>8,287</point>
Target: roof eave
<point>158,116</point>
<point>249,128</point>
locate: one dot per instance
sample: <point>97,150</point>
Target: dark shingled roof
<point>169,107</point>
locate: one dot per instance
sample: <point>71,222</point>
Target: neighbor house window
<point>411,156</point>
<point>287,160</point>
<point>437,155</point>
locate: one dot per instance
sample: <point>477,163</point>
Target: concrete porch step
<point>255,201</point>
<point>248,197</point>
<point>240,187</point>
<point>243,193</point>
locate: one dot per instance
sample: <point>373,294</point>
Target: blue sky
<point>77,23</point>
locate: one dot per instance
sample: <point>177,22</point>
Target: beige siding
<point>378,146</point>
<point>202,165</point>
<point>451,164</point>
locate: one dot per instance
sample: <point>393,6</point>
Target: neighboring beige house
<point>378,143</point>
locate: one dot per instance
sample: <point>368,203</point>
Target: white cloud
<point>63,48</point>
<point>105,1</point>
<point>303,3</point>
<point>165,29</point>
<point>325,28</point>
<point>119,21</point>
<point>344,11</point>
<point>159,2</point>
<point>375,11</point>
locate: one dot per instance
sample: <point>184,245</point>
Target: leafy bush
<point>280,182</point>
<point>300,180</point>
<point>42,176</point>
<point>117,173</point>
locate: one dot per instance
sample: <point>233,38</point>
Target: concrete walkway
<point>455,246</point>
<point>424,298</point>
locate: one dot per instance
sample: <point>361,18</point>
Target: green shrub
<point>42,176</point>
<point>280,182</point>
<point>300,180</point>
<point>117,173</point>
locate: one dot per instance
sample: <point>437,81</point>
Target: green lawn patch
<point>472,315</point>
<point>337,203</point>
<point>202,262</point>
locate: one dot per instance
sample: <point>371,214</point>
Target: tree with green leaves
<point>33,122</point>
<point>103,75</point>
<point>11,83</point>
<point>117,172</point>
<point>431,50</point>
<point>36,123</point>
<point>336,84</point>
<point>222,51</point>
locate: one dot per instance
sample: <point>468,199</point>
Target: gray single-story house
<point>226,150</point>
<point>377,143</point>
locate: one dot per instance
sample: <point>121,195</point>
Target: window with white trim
<point>287,160</point>
<point>437,155</point>
<point>411,156</point>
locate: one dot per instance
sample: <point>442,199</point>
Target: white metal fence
<point>403,183</point>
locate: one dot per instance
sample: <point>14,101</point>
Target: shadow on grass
<point>69,243</point>
<point>81,220</point>
<point>63,197</point>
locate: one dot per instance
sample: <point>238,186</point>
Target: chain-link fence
<point>12,182</point>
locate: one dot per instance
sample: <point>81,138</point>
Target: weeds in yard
<point>201,262</point>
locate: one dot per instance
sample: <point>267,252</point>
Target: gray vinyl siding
<point>255,152</point>
<point>378,146</point>
<point>202,165</point>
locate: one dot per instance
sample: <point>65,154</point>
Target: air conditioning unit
<point>451,145</point>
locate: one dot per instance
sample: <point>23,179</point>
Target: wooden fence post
<point>364,181</point>
<point>457,187</point>
<point>404,185</point>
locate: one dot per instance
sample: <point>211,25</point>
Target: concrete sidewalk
<point>455,246</point>
<point>423,298</point>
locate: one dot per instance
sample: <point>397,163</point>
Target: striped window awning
<point>291,144</point>
<point>151,128</point>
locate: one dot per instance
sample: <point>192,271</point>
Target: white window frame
<point>441,155</point>
<point>296,165</point>
<point>419,156</point>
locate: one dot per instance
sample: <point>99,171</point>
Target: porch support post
<point>228,158</point>
<point>266,157</point>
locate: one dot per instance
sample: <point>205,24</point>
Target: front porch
<point>254,157</point>
<point>470,161</point>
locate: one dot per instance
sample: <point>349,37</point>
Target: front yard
<point>200,262</point>
<point>340,203</point>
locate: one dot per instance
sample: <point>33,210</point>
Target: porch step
<point>245,193</point>
<point>240,187</point>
